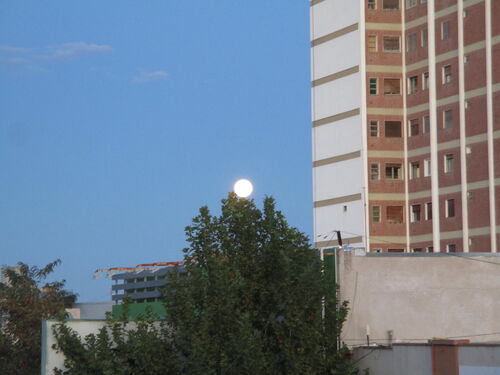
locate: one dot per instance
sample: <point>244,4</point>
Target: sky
<point>120,118</point>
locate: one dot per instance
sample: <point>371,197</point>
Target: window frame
<point>445,30</point>
<point>374,216</point>
<point>428,211</point>
<point>391,122</point>
<point>427,167</point>
<point>391,8</point>
<point>413,124</point>
<point>374,125</point>
<point>450,208</point>
<point>396,171</point>
<point>372,80</point>
<point>424,38</point>
<point>414,169</point>
<point>371,4</point>
<point>372,36</point>
<point>413,84</point>
<point>394,80</point>
<point>449,163</point>
<point>446,74</point>
<point>386,37</point>
<point>373,173</point>
<point>415,213</point>
<point>448,124</point>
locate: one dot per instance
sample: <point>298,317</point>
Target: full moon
<point>243,188</point>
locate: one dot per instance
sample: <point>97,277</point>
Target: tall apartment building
<point>406,124</point>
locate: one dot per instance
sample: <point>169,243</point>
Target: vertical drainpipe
<point>489,114</point>
<point>431,25</point>
<point>364,126</point>
<point>463,135</point>
<point>405,127</point>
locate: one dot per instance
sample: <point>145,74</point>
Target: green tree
<point>254,298</point>
<point>25,299</point>
<point>121,347</point>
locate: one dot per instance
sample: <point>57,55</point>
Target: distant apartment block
<point>406,124</point>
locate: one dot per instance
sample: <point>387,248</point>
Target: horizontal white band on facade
<point>389,240</point>
<point>338,200</point>
<point>335,76</point>
<point>384,69</point>
<point>337,117</point>
<point>336,159</point>
<point>383,26</point>
<point>483,137</point>
<point>385,111</point>
<point>452,99</point>
<point>452,189</point>
<point>441,13</point>
<point>452,235</point>
<point>452,54</point>
<point>334,35</point>
<point>389,154</point>
<point>386,197</point>
<point>332,242</point>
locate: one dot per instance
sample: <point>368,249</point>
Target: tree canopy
<point>25,299</point>
<point>252,298</point>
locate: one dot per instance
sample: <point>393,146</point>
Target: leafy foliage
<point>119,348</point>
<point>25,299</point>
<point>253,296</point>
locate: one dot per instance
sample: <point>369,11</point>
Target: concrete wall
<point>435,358</point>
<point>420,296</point>
<point>50,358</point>
<point>479,360</point>
<point>407,359</point>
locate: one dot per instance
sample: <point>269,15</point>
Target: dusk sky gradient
<point>119,119</point>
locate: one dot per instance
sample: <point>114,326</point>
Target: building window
<point>395,250</point>
<point>413,85</point>
<point>425,81</point>
<point>448,119</point>
<point>427,124</point>
<point>445,30</point>
<point>392,44</point>
<point>414,170</point>
<point>451,248</point>
<point>393,171</point>
<point>427,167</point>
<point>425,37</point>
<point>372,4</point>
<point>428,211</point>
<point>414,127</point>
<point>411,42</point>
<point>446,74</point>
<point>393,129</point>
<point>372,43</point>
<point>373,86</point>
<point>373,128</point>
<point>448,163</point>
<point>417,249</point>
<point>411,4</point>
<point>377,250</point>
<point>430,249</point>
<point>391,4</point>
<point>415,213</point>
<point>392,86</point>
<point>374,172</point>
<point>376,214</point>
<point>450,208</point>
<point>394,214</point>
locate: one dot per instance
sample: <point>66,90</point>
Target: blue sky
<point>119,119</point>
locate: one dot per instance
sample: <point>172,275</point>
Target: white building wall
<point>327,59</point>
<point>326,135</point>
<point>340,182</point>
